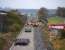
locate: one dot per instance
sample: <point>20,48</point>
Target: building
<point>3,21</point>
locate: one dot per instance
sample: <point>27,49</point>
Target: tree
<point>42,14</point>
<point>61,11</point>
<point>14,21</point>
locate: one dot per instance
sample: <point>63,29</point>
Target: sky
<point>32,4</point>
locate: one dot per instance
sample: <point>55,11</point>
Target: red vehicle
<point>57,26</point>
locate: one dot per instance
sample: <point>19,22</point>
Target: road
<point>28,35</point>
<point>39,41</point>
<point>36,40</point>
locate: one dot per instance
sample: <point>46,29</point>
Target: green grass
<point>55,20</point>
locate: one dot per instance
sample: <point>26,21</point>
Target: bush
<point>13,21</point>
<point>2,42</point>
<point>62,34</point>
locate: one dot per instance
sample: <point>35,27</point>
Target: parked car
<point>28,29</point>
<point>22,42</point>
<point>35,25</point>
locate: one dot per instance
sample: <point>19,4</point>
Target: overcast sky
<point>32,4</point>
